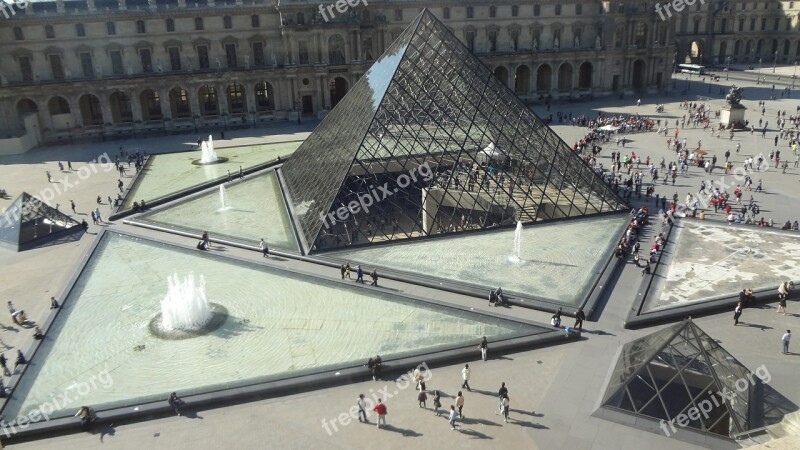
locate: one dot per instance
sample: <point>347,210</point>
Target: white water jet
<point>516,257</point>
<point>223,198</point>
<point>207,153</point>
<point>185,306</point>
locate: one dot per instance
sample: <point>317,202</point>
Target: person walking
<point>264,248</point>
<point>342,270</point>
<point>437,402</point>
<point>175,403</point>
<point>72,204</point>
<point>374,276</point>
<point>484,348</point>
<point>785,340</point>
<point>460,405</point>
<point>362,409</point>
<point>97,215</point>
<point>505,402</point>
<point>452,417</point>
<point>502,393</point>
<point>737,313</point>
<point>579,318</point>
<point>3,362</point>
<point>359,275</point>
<point>347,270</point>
<point>49,177</point>
<point>380,410</point>
<point>94,218</point>
<point>783,295</point>
<point>422,398</point>
<point>465,374</point>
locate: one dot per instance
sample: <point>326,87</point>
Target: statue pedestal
<point>732,116</point>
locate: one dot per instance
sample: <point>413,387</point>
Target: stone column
<point>222,98</point>
<point>75,111</point>
<point>136,106</point>
<point>164,104</point>
<point>326,91</point>
<point>324,49</point>
<point>318,45</point>
<point>194,100</point>
<point>105,108</point>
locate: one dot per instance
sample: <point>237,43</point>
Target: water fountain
<point>185,310</point>
<point>223,199</point>
<point>207,153</point>
<point>516,257</point>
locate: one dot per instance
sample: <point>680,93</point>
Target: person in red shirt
<point>380,410</point>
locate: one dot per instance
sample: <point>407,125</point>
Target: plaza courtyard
<point>554,389</point>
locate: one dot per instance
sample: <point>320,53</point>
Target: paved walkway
<point>553,390</point>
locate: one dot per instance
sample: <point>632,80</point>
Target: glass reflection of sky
<point>380,74</point>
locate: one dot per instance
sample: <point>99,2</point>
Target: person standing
<point>342,270</point>
<point>347,270</point>
<point>175,402</point>
<point>465,374</point>
<point>72,204</point>
<point>49,177</point>
<point>737,313</point>
<point>579,318</point>
<point>380,410</point>
<point>460,404</point>
<point>422,398</point>
<point>785,339</point>
<point>362,409</point>
<point>437,402</point>
<point>484,348</point>
<point>97,215</point>
<point>505,404</point>
<point>264,248</point>
<point>452,417</point>
<point>783,295</point>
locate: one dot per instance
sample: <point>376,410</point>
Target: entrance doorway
<point>308,104</point>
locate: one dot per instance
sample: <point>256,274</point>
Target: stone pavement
<point>553,390</point>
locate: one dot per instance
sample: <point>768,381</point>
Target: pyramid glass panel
<point>430,142</point>
<point>28,220</point>
<point>677,376</point>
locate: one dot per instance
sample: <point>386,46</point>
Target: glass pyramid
<point>28,221</point>
<point>669,372</point>
<point>428,142</point>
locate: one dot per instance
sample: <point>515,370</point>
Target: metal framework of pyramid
<point>28,222</point>
<point>667,373</point>
<point>429,141</point>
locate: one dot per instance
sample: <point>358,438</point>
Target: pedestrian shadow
<point>480,421</point>
<point>403,431</point>
<point>755,325</point>
<point>599,332</point>
<point>191,415</point>
<point>527,424</point>
<point>489,393</point>
<point>104,430</point>
<point>526,413</point>
<point>500,358</point>
<point>474,434</point>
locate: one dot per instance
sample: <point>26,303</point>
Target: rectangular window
<point>202,56</point>
<point>470,12</point>
<point>255,22</point>
<point>49,32</point>
<point>18,36</point>
<point>147,60</point>
<point>302,52</point>
<point>763,24</point>
<point>514,10</point>
<point>537,10</point>
<point>514,34</point>
<point>174,58</point>
<point>723,25</point>
<point>140,28</point>
<point>86,64</point>
<point>578,9</point>
<point>558,10</point>
<point>56,67</point>
<point>777,24</point>
<point>230,54</point>
<point>111,28</point>
<point>170,25</point>
<point>258,53</point>
<point>398,15</point>
<point>116,62</point>
<point>25,68</point>
<point>470,37</point>
<point>752,24</point>
<point>741,24</point>
<point>446,13</point>
<point>492,35</point>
